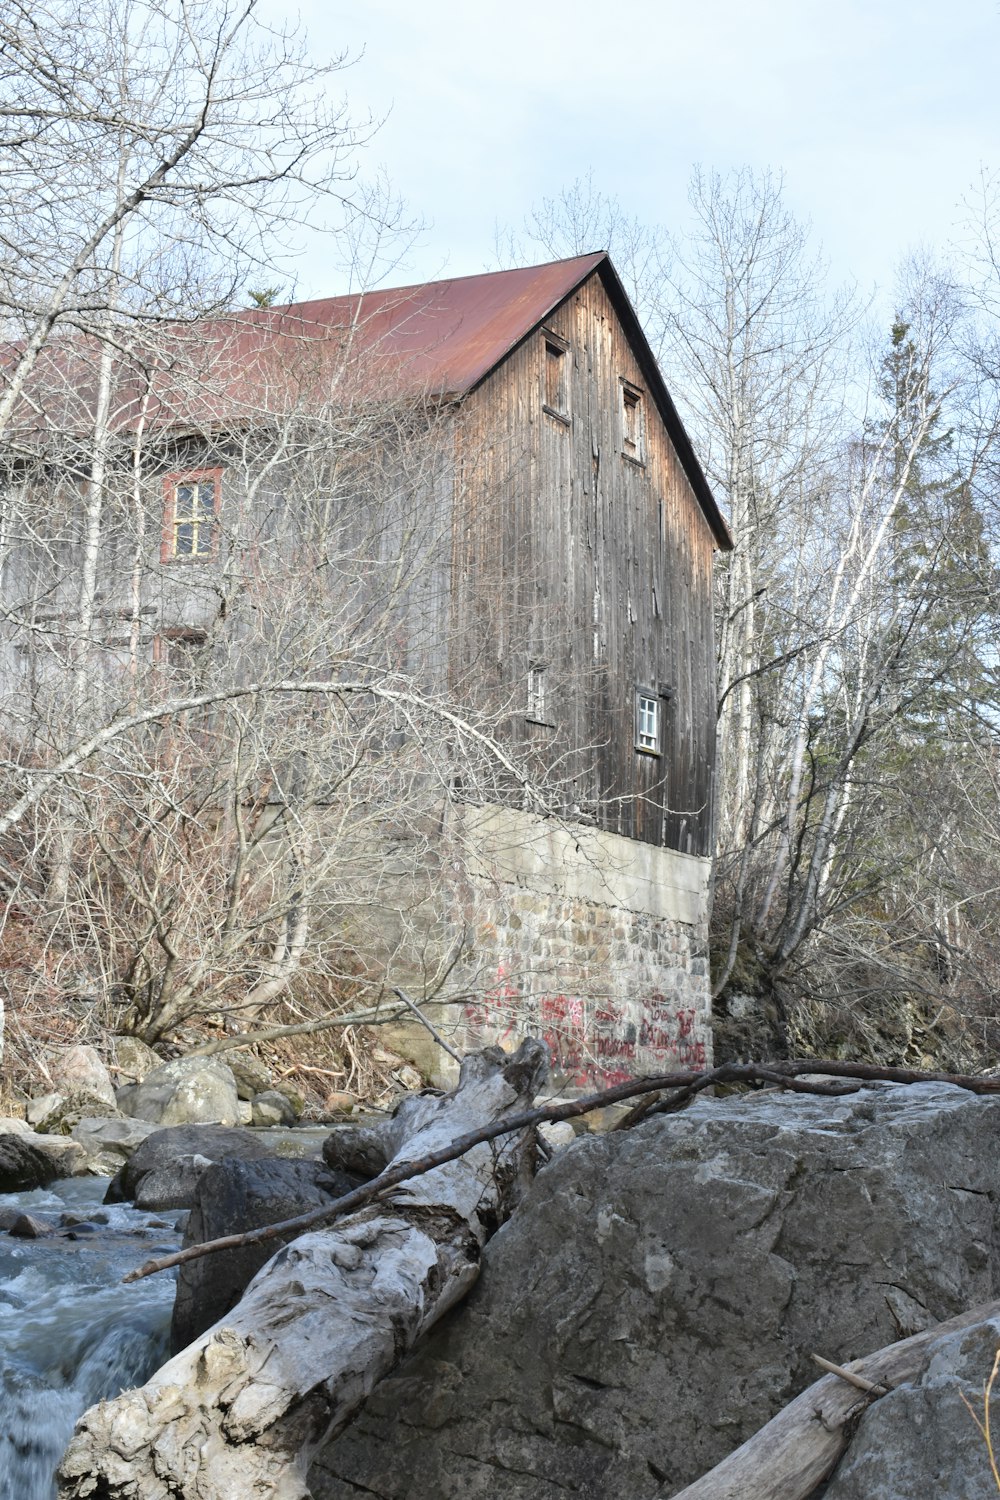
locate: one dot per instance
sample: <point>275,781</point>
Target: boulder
<point>29,1227</point>
<point>252,1077</point>
<point>273,1108</point>
<point>187,1091</point>
<point>920,1439</point>
<point>80,1070</point>
<point>163,1171</point>
<point>23,1165</point>
<point>36,1109</point>
<point>133,1060</point>
<point>657,1296</point>
<point>65,1111</point>
<point>109,1142</point>
<point>229,1198</point>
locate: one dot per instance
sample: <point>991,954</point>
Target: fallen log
<point>800,1447</point>
<point>242,1410</point>
<point>681,1086</point>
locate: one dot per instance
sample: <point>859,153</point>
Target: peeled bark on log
<point>800,1447</point>
<point>241,1411</point>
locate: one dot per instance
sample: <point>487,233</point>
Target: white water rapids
<point>70,1333</point>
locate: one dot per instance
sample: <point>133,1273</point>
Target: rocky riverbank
<point>656,1297</point>
<point>659,1295</point>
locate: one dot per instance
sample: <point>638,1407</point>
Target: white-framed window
<point>633,424</point>
<point>648,721</point>
<point>191,503</point>
<point>536,694</point>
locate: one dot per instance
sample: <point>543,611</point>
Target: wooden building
<point>583,533</point>
<point>573,533</point>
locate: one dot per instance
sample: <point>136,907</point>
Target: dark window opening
<point>633,435</point>
<point>180,649</point>
<point>556,389</point>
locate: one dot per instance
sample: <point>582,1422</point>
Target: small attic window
<point>555,394</point>
<point>633,424</point>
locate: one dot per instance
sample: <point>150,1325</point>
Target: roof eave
<point>671,417</point>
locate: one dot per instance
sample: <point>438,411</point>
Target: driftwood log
<point>241,1411</point>
<point>799,1448</point>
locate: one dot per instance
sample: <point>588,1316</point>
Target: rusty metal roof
<point>443,337</point>
<point>439,338</point>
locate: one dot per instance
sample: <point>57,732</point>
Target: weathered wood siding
<point>571,555</point>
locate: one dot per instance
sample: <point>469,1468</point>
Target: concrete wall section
<point>594,941</point>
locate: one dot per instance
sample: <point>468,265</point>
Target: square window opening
<point>180,649</point>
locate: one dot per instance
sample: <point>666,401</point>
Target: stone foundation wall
<point>593,941</point>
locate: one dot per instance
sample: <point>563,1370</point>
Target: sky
<point>881,114</point>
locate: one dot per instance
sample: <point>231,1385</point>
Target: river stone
<point>252,1076</point>
<point>28,1227</point>
<point>230,1198</point>
<point>43,1104</point>
<point>67,1110</point>
<point>187,1091</point>
<point>133,1059</point>
<point>272,1108</point>
<point>658,1294</point>
<point>110,1142</point>
<point>164,1170</point>
<point>920,1439</point>
<point>80,1071</point>
<point>23,1165</point>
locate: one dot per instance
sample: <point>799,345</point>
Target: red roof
<point>439,338</point>
<point>445,335</point>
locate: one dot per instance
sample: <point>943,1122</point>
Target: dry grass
<point>983,1423</point>
<point>50,1003</point>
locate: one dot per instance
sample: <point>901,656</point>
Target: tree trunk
<point>798,1448</point>
<point>243,1409</point>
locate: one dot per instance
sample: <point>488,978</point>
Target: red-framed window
<point>191,504</point>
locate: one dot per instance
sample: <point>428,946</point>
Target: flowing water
<point>70,1333</point>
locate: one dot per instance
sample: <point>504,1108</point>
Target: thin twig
<point>425,1022</point>
<point>870,1387</point>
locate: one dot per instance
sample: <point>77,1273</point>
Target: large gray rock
<point>163,1172</point>
<point>23,1166</point>
<point>132,1059</point>
<point>109,1142</point>
<point>230,1198</point>
<point>657,1297</point>
<point>272,1108</point>
<point>920,1440</point>
<point>187,1091</point>
<point>252,1076</point>
<point>65,1111</point>
<point>79,1069</point>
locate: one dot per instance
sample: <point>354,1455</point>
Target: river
<point>70,1333</point>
